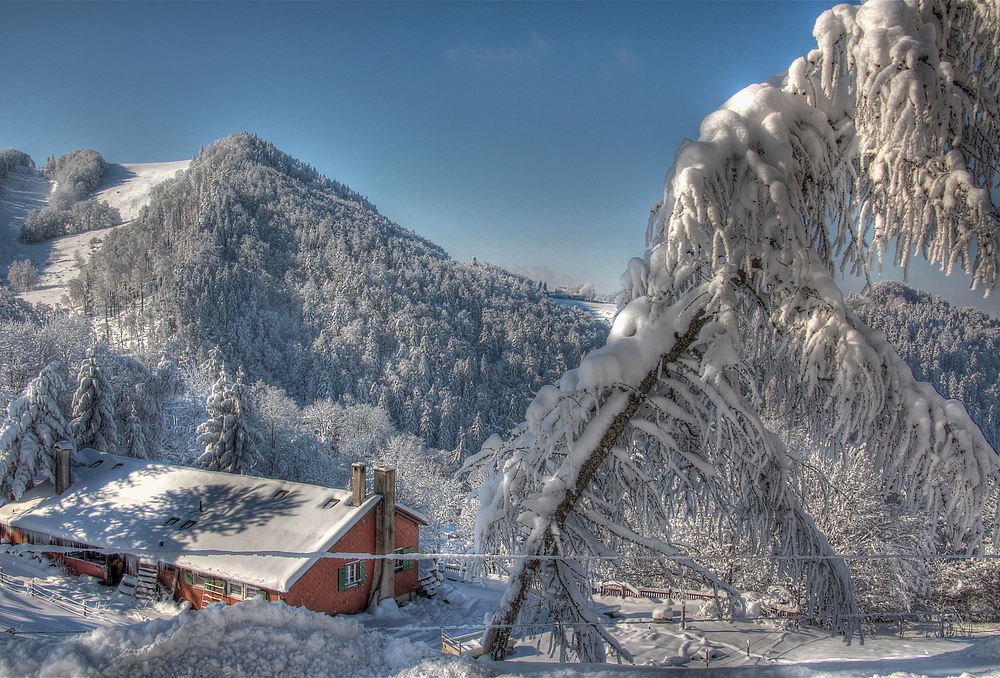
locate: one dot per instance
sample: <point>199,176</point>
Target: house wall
<point>407,535</point>
<point>78,566</point>
<point>317,590</point>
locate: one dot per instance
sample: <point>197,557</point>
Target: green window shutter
<point>361,579</point>
<point>188,578</point>
<point>342,578</point>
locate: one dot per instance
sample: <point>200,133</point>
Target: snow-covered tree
<point>135,435</point>
<point>229,436</point>
<point>734,351</point>
<point>94,409</point>
<point>35,424</point>
<point>22,276</point>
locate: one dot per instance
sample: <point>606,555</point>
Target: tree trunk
<point>540,543</point>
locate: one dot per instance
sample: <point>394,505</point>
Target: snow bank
<point>253,638</point>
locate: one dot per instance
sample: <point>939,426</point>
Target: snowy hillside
<point>127,187</point>
<point>299,280</point>
<point>21,192</point>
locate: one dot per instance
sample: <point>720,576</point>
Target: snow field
<point>253,638</point>
<point>128,186</point>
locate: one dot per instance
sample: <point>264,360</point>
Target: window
<point>351,575</point>
<point>97,463</point>
<point>330,503</point>
<point>171,521</point>
<point>187,524</point>
<point>402,565</point>
<point>118,465</point>
<point>280,494</point>
<point>236,590</point>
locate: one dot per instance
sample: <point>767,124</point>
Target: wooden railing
<point>32,588</point>
<point>627,591</point>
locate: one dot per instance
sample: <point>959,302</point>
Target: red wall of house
<point>79,567</point>
<point>317,589</point>
<point>407,535</point>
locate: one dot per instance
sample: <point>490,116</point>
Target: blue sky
<point>533,135</point>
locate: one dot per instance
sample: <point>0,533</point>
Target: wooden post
<point>683,616</point>
<point>385,531</point>
<point>358,473</point>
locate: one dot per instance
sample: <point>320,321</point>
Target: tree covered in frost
<point>11,158</point>
<point>35,424</point>
<point>229,436</point>
<point>735,356</point>
<point>94,421</point>
<point>134,436</point>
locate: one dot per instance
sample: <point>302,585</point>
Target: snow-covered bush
<point>76,174</point>
<point>22,276</point>
<point>88,215</point>
<point>11,158</point>
<point>252,638</point>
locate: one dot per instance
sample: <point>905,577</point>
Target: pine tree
<point>135,435</point>
<point>230,438</point>
<point>735,348</point>
<point>94,409</point>
<point>35,424</point>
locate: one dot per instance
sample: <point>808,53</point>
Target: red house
<point>208,536</point>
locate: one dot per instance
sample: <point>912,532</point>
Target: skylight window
<point>187,524</point>
<point>331,502</point>
<point>97,463</point>
<point>280,494</point>
<point>172,521</point>
<point>118,465</point>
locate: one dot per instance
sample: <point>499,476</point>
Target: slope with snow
<point>21,192</point>
<point>128,186</point>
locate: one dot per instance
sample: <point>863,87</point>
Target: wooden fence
<point>30,587</point>
<point>627,591</point>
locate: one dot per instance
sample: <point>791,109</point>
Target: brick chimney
<point>358,473</point>
<point>64,476</point>
<point>385,530</point>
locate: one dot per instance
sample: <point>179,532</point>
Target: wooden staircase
<point>146,585</point>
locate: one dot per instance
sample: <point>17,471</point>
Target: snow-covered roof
<point>134,505</point>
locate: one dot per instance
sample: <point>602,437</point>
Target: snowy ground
<point>598,309</point>
<point>126,187</point>
<point>266,639</point>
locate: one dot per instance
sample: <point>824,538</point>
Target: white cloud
<point>535,47</point>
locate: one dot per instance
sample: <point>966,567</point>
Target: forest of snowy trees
<point>955,349</point>
<point>259,318</point>
<point>300,282</point>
